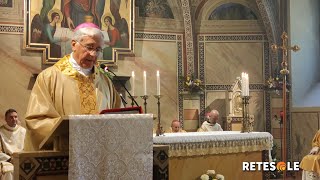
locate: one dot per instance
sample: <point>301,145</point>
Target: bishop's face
<point>86,51</point>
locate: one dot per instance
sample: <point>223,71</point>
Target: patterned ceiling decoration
<point>268,12</point>
<point>189,36</point>
<point>232,11</point>
<point>154,8</point>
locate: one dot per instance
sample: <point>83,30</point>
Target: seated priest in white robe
<point>12,140</point>
<point>211,123</point>
<point>176,127</point>
<point>74,85</point>
<point>311,162</point>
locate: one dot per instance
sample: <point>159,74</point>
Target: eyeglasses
<point>91,49</point>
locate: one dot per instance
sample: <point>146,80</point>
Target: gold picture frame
<point>49,24</point>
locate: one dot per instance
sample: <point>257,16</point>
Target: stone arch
<point>209,6</point>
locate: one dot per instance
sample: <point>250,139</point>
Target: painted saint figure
<point>75,11</point>
<point>49,30</point>
<point>115,39</point>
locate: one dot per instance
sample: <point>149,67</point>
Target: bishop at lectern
<point>74,85</point>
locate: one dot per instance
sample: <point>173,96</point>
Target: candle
<point>145,82</point>
<point>242,84</point>
<point>158,83</point>
<point>132,83</point>
<point>247,84</point>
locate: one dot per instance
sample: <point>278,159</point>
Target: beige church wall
<point>216,100</point>
<point>16,79</point>
<point>225,61</point>
<point>18,66</point>
<point>151,56</point>
<point>256,108</point>
<point>191,110</point>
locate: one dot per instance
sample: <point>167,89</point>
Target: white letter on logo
<point>259,165</point>
<point>296,166</point>
<point>265,166</point>
<point>252,166</point>
<point>245,166</point>
<point>289,168</point>
<point>272,166</point>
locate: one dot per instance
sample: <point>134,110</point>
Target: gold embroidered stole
<point>88,99</point>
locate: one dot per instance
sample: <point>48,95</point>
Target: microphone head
<point>104,67</point>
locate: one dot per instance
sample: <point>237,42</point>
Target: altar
<point>192,154</point>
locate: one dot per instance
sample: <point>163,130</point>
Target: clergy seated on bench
<point>176,127</point>
<point>311,162</point>
<point>12,140</point>
<point>211,122</point>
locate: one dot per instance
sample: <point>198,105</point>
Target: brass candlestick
<point>132,100</point>
<point>247,123</point>
<point>145,97</point>
<point>159,127</point>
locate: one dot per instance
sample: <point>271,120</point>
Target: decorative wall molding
<point>232,38</point>
<point>11,29</point>
<point>224,87</point>
<point>155,36</point>
<point>159,25</point>
<point>229,26</point>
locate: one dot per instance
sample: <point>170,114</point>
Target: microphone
<point>123,100</point>
<point>106,69</point>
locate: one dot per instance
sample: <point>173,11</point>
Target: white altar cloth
<point>110,146</point>
<point>217,142</point>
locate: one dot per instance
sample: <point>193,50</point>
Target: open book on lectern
<point>127,110</point>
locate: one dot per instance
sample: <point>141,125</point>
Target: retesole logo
<point>270,166</point>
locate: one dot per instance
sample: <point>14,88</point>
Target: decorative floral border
<point>11,29</point>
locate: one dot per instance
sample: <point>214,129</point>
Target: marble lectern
<point>109,146</point>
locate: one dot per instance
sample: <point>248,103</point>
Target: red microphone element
<point>281,115</point>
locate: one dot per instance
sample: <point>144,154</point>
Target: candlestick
<point>132,100</point>
<point>247,121</point>
<point>158,83</point>
<point>145,82</point>
<point>145,97</point>
<point>132,83</point>
<point>159,130</point>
